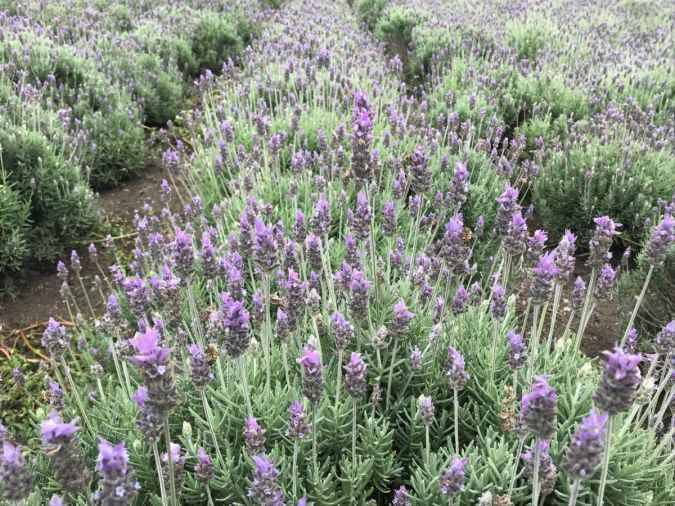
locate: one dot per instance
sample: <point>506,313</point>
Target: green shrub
<point>397,22</point>
<point>215,39</point>
<point>603,179</point>
<point>61,205</point>
<point>370,11</point>
<point>117,147</point>
<point>531,37</point>
<point>14,229</point>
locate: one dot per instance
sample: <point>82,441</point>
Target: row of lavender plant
<point>333,317</point>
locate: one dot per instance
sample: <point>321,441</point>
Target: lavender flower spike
<point>254,437</point>
<point>204,467</point>
<point>455,369</point>
<point>398,327</point>
<point>584,453</point>
<point>618,385</point>
<point>312,380</point>
<point>544,276</point>
<point>661,239</point>
<point>355,376</point>
<point>61,447</point>
<point>452,478</point>
<point>605,230</point>
<point>265,490</point>
<point>16,478</point>
<point>539,409</point>
<point>116,486</point>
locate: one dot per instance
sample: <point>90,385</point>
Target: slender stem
<point>456,421</point>
<point>86,297</point>
<point>427,446</point>
<point>534,337</point>
<point>554,314</point>
<point>76,395</point>
<point>100,388</point>
<point>160,475</point>
<point>339,382</point>
<point>514,471</point>
<point>314,452</point>
<point>535,473</point>
<point>169,457</point>
<point>391,373</point>
<point>493,354</point>
<point>605,461</point>
<point>209,419</point>
<point>574,493</point>
<point>208,495</point>
<point>267,337</point>
<point>295,468</point>
<point>586,307</point>
<point>284,355</point>
<point>354,429</point>
<point>638,303</point>
<point>244,386</point>
<point>527,316</point>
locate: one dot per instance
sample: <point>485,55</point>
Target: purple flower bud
<point>618,385</point>
<point>117,485</point>
<point>460,301</point>
<point>178,465</point>
<point>400,323</point>
<point>508,206</point>
<point>313,251</point>
<point>389,225</point>
<point>453,250</point>
<point>254,437</point>
<point>200,372</point>
<point>416,359</point>
<point>15,476</point>
<point>265,247</point>
<point>452,478</point>
<point>515,239</point>
<point>517,351</point>
<point>362,217</point>
<point>664,342</point>
<point>539,409</point>
<point>61,271</point>
<point>312,379</point>
<point>660,241</point>
<point>358,295</point>
<point>56,500</point>
<point>297,425</point>
<point>75,264</point>
<point>204,467</point>
<point>535,246</point>
<point>265,490</point>
<point>498,305</point>
<point>234,320</point>
<point>544,275</point>
<point>455,369</point>
<point>55,339</point>
<point>584,453</point>
<point>426,410</point>
<point>420,173</point>
<point>343,331</point>
<point>401,497</point>
<point>299,227</point>
<point>605,230</point>
<point>321,220</point>
<point>605,282</point>
<point>352,253</point>
<point>183,254</point>
<point>61,447</point>
<point>564,255</point>
<point>355,376</point>
<point>578,294</point>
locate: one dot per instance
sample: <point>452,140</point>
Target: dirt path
<point>38,296</point>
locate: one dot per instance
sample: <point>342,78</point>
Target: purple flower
<point>177,465</point>
<point>664,342</point>
<point>619,382</point>
<point>564,255</point>
<point>398,327</point>
<point>343,331</point>
<point>660,241</point>
<point>53,428</point>
<point>358,295</point>
<point>517,351</point>
<point>544,275</point>
<point>321,217</point>
<point>183,254</point>
<point>515,239</point>
<point>452,478</point>
<point>265,247</point>
<point>355,376</point>
<point>459,189</point>
<point>361,138</point>
<point>420,181</point>
<point>234,320</point>
<point>16,477</point>
<point>401,497</point>
<point>605,282</point>
<point>362,217</point>
<point>312,380</point>
<point>416,358</point>
<point>453,249</point>
<point>265,489</point>
<point>297,425</point>
<point>460,301</point>
<point>455,369</point>
<point>586,447</point>
<point>508,206</point>
<point>313,251</point>
<point>389,225</point>
<point>578,293</point>
<point>55,339</point>
<point>426,410</point>
<point>254,437</point>
<point>539,409</point>
<point>498,305</point>
<point>61,447</point>
<point>204,467</point>
<point>605,230</point>
<point>117,485</point>
<point>200,372</point>
<point>56,500</point>
<point>299,227</point>
<point>535,246</point>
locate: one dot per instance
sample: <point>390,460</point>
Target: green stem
<point>638,303</point>
<point>209,419</point>
<point>575,492</point>
<point>456,421</point>
<point>495,334</point>
<point>169,457</point>
<point>160,475</point>
<point>208,495</point>
<point>86,297</point>
<point>354,429</point>
<point>295,468</point>
<point>76,395</point>
<point>267,337</point>
<point>339,382</point>
<point>535,473</point>
<point>605,461</point>
<point>391,373</point>
<point>244,386</point>
<point>585,309</point>
<point>554,314</point>
<point>314,452</point>
<point>514,471</point>
<point>427,445</point>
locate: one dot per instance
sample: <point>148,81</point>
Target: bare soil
<point>37,289</point>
